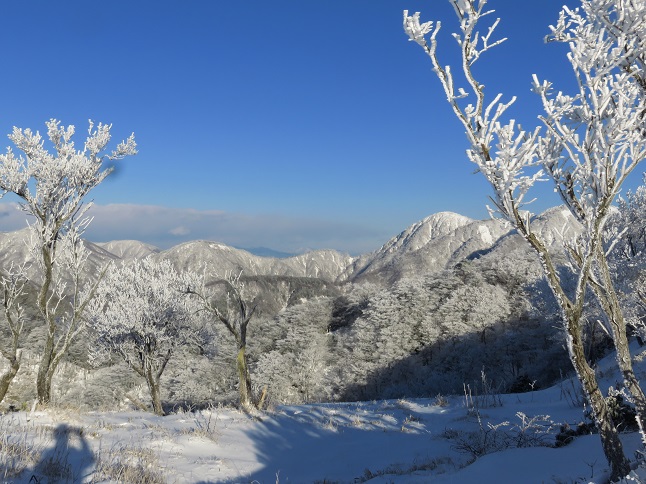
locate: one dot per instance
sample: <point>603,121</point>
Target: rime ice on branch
<point>591,142</point>
<point>52,188</point>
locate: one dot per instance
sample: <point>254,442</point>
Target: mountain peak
<point>128,249</point>
<point>421,233</point>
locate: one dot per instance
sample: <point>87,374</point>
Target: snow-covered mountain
<point>219,259</point>
<point>421,233</point>
<point>431,245</point>
<point>435,243</point>
<point>129,249</point>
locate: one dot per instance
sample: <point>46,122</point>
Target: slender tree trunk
<point>155,391</point>
<point>572,312</point>
<point>45,372</point>
<point>44,377</point>
<point>244,377</point>
<point>8,376</point>
<point>612,446</point>
<point>609,300</point>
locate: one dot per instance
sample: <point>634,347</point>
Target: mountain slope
<point>129,249</point>
<point>431,245</point>
<point>435,243</point>
<point>219,259</point>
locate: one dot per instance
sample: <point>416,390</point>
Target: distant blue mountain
<point>266,252</point>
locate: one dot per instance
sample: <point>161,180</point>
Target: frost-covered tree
<point>474,308</point>
<point>592,141</point>
<point>140,313</point>
<point>295,371</point>
<point>235,314</point>
<point>12,285</point>
<point>614,141</point>
<point>627,241</point>
<point>627,228</point>
<point>51,187</point>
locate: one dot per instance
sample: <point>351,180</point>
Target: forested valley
<point>383,325</point>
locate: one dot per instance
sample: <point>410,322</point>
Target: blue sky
<point>286,124</point>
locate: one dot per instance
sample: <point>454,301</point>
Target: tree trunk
<point>45,372</point>
<point>609,300</point>
<point>44,376</point>
<point>572,312</point>
<point>155,391</point>
<point>8,376</point>
<point>612,446</point>
<point>244,377</point>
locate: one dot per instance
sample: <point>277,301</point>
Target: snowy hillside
<point>220,259</point>
<point>453,298</point>
<point>430,245</point>
<point>129,249</point>
<point>487,438</point>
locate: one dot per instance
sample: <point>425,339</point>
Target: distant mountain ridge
<point>129,249</point>
<point>222,259</point>
<point>267,252</point>
<point>437,242</point>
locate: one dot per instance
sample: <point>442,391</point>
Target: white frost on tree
<point>141,314</point>
<point>51,188</point>
<point>591,142</point>
<point>235,314</point>
<point>12,285</point>
<point>295,371</point>
<point>627,241</point>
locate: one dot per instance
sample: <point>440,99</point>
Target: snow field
<point>410,441</point>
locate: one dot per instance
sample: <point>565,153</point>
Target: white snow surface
<point>407,441</point>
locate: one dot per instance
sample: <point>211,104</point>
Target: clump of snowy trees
<point>235,315</point>
<point>422,336</point>
<point>140,313</point>
<point>52,188</point>
<point>590,143</point>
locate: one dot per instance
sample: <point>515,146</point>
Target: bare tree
<point>12,285</point>
<point>592,142</point>
<point>235,317</point>
<point>140,313</point>
<point>51,188</point>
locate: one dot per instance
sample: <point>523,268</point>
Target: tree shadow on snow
<point>332,442</point>
<point>70,459</point>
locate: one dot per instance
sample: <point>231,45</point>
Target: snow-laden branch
<point>503,152</point>
<point>592,141</point>
<point>52,185</point>
<point>140,313</point>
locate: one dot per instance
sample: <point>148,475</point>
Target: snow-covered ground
<point>384,441</point>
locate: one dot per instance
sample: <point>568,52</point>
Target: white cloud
<point>165,227</point>
<point>12,217</point>
<point>181,230</point>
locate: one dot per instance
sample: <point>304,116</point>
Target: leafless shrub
<point>528,432</point>
<point>128,464</point>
